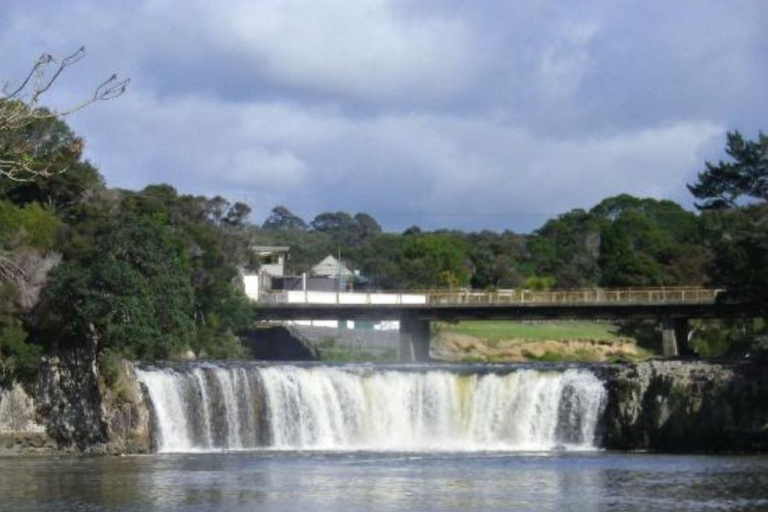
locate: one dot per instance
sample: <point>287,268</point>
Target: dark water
<point>388,482</point>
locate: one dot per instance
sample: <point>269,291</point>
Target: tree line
<point>154,274</point>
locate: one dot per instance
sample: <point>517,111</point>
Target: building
<point>271,266</point>
<point>329,283</point>
<point>332,267</point>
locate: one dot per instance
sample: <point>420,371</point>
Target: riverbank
<point>552,341</point>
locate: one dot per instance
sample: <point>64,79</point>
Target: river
<point>249,436</point>
<point>365,481</point>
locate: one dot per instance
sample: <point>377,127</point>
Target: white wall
<point>310,297</point>
<point>251,286</point>
<point>251,283</point>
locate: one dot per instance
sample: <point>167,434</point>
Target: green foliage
<point>725,184</point>
<point>30,225</point>
<point>434,260</point>
<point>133,290</point>
<point>539,283</point>
<point>154,273</point>
<point>739,239</point>
<point>18,357</point>
<point>40,146</point>
<point>345,230</point>
<point>645,242</point>
<point>109,363</point>
<point>496,259</point>
<point>282,219</point>
<point>210,342</point>
<point>735,204</point>
<point>713,338</point>
<point>567,248</point>
<point>623,241</point>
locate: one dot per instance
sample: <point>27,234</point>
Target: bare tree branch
<point>10,272</point>
<point>20,107</point>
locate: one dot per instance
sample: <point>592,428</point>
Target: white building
<point>258,287</point>
<point>332,267</point>
<point>271,264</point>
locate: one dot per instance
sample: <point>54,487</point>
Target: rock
<point>674,406</point>
<point>686,406</point>
<point>69,408</point>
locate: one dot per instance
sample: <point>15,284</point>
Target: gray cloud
<point>444,114</point>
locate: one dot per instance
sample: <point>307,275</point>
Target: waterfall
<point>199,407</point>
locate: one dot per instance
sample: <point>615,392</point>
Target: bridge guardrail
<point>667,295</point>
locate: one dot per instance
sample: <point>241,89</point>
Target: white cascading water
<point>215,407</point>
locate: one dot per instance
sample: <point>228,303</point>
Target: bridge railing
<point>667,295</point>
<point>589,295</point>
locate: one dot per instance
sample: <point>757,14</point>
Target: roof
<point>331,266</point>
<point>268,249</point>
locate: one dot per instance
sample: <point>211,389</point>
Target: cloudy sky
<point>446,113</point>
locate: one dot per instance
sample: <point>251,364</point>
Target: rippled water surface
<point>291,481</point>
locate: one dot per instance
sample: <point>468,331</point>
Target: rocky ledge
<point>68,408</point>
<point>671,406</point>
<point>686,406</point>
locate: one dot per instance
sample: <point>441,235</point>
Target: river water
<point>313,437</point>
<point>365,481</point>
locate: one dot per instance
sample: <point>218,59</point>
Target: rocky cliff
<point>69,408</point>
<point>687,406</point>
<point>675,406</point>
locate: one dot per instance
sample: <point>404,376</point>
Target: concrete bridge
<point>672,307</point>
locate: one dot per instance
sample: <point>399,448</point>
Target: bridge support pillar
<point>674,337</point>
<point>414,339</point>
<point>682,335</point>
<point>668,338</point>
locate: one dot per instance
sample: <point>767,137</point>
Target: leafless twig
<point>20,107</point>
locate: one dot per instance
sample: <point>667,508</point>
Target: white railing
<point>673,295</point>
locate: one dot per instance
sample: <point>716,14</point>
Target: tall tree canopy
<point>745,176</point>
<point>283,219</point>
<point>735,214</point>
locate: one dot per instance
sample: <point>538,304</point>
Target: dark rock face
<point>673,406</point>
<point>69,401</point>
<point>684,406</point>
<point>68,408</point>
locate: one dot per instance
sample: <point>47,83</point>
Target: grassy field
<point>505,341</point>
<point>557,331</point>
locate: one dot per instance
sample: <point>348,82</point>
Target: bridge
<point>672,307</point>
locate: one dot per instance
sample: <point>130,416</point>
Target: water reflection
<point>385,482</point>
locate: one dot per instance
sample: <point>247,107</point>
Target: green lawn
<point>560,330</point>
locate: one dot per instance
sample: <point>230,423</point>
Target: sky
<point>438,113</point>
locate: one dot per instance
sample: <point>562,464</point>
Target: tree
<point>628,250</point>
<point>735,216</point>
<point>567,248</point>
<point>332,222</point>
<point>20,108</point>
<point>237,214</point>
<point>495,259</point>
<point>418,261</point>
<point>724,184</point>
<point>283,219</point>
<point>52,142</point>
<point>133,292</point>
<point>346,230</point>
<point>648,242</point>
<point>740,242</point>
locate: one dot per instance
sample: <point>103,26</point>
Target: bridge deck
<point>518,304</point>
<point>588,295</point>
